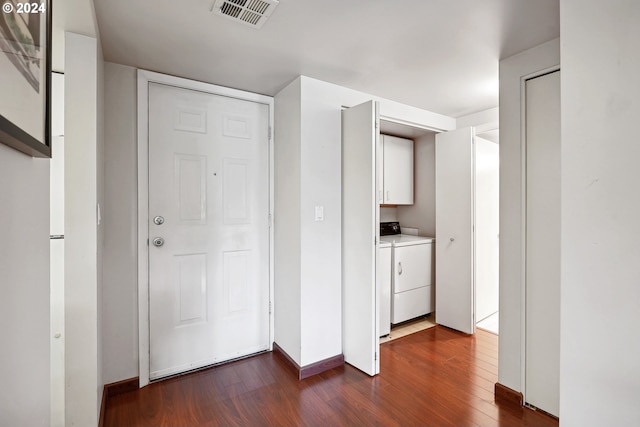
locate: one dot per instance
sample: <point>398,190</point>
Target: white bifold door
<point>360,235</point>
<point>467,226</point>
<point>454,229</point>
<point>208,229</point>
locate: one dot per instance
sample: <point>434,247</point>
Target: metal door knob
<point>158,220</point>
<point>158,241</point>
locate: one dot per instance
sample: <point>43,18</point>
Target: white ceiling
<point>440,55</point>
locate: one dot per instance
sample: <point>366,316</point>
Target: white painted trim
<point>523,234</point>
<point>143,80</point>
<point>410,123</point>
<point>523,219</point>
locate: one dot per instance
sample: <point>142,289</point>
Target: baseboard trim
<point>504,394</point>
<point>291,364</point>
<point>123,386</point>
<point>307,371</point>
<point>114,389</point>
<point>321,366</point>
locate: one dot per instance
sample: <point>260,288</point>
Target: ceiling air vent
<point>253,13</point>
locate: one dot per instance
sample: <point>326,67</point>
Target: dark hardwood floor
<point>436,377</point>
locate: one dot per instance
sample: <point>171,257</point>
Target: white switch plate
<point>319,213</point>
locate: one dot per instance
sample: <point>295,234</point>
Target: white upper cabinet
<point>396,179</point>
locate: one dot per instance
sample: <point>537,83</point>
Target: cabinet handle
<point>387,195</point>
<point>399,268</point>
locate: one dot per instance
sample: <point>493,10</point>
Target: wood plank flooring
<point>436,377</point>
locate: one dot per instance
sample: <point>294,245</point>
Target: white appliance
<point>411,271</point>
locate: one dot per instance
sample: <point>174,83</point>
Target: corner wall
<point>287,231</point>
<point>600,292</point>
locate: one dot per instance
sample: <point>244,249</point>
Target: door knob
<point>158,241</point>
<point>158,220</point>
<point>452,239</point>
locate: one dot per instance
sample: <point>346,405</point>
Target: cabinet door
<point>398,170</point>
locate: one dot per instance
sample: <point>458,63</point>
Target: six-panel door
<point>208,229</point>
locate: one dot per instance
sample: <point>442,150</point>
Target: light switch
<point>319,213</point>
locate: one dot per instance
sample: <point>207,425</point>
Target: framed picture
<point>25,76</point>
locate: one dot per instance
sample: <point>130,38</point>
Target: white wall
<point>24,285</point>
<point>321,253</point>
<point>511,344</point>
<point>100,125</point>
<point>600,267</point>
<point>120,289</point>
<point>422,214</point>
<point>83,183</point>
<point>287,230</point>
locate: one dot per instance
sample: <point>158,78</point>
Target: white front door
<point>208,229</point>
<point>360,234</point>
<point>454,230</point>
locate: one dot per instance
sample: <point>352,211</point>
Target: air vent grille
<point>248,12</point>
<point>230,10</point>
<point>258,6</point>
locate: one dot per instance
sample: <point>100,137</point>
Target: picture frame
<point>25,76</point>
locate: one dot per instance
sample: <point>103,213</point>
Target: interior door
<point>454,230</point>
<point>542,314</point>
<point>360,236</point>
<point>208,229</point>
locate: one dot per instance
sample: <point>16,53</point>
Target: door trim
<point>145,77</point>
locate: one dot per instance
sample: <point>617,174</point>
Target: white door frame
<point>144,78</point>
